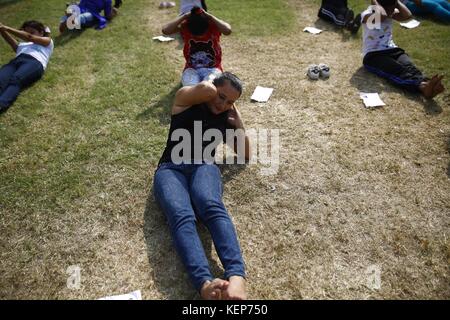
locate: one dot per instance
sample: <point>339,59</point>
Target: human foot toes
<point>212,290</point>
<point>427,87</point>
<point>236,289</point>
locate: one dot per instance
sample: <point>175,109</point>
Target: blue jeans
<point>19,73</point>
<point>439,8</point>
<point>191,77</point>
<point>184,191</point>
<point>86,19</point>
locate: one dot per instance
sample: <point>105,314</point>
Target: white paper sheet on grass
<point>371,100</point>
<point>261,94</point>
<point>135,295</point>
<point>163,38</point>
<point>410,24</point>
<point>312,30</point>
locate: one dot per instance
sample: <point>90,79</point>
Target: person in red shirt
<point>201,32</point>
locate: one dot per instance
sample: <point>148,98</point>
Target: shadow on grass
<point>365,81</point>
<point>229,171</point>
<point>328,26</point>
<point>160,109</point>
<point>168,273</point>
<point>67,36</point>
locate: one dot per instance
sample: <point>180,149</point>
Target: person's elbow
<point>207,90</point>
<point>168,30</point>
<point>227,31</point>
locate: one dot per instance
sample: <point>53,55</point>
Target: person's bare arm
<point>403,13</point>
<point>235,120</point>
<point>174,26</point>
<point>10,40</point>
<point>223,26</point>
<point>43,41</point>
<point>188,96</point>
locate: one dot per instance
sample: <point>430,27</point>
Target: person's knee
<point>181,218</point>
<point>208,208</point>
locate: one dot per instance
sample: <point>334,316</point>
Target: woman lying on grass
<point>384,58</point>
<point>192,187</point>
<point>31,59</point>
<point>438,8</point>
<point>201,33</point>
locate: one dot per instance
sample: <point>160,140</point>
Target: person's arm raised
<point>174,26</point>
<point>378,9</point>
<point>43,41</point>
<point>10,40</point>
<point>235,120</point>
<point>403,13</point>
<point>223,26</point>
<point>189,96</point>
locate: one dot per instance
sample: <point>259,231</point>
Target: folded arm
<point>223,26</point>
<point>41,40</point>
<point>174,26</point>
<point>10,40</point>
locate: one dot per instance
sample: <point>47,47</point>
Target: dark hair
<point>197,22</point>
<point>37,26</point>
<point>386,3</point>
<point>231,78</point>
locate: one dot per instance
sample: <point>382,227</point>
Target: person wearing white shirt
<point>32,57</point>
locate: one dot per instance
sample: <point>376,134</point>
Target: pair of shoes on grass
<point>315,71</point>
<point>352,23</point>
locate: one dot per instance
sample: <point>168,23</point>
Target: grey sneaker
<point>313,72</point>
<point>324,71</point>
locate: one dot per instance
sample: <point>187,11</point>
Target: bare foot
<point>427,87</point>
<point>236,289</point>
<point>212,290</point>
<point>438,87</point>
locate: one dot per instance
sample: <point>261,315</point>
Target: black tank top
<point>185,120</point>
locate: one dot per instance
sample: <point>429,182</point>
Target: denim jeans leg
<point>190,77</point>
<point>87,20</point>
<point>206,195</point>
<point>29,70</point>
<point>6,72</point>
<point>209,74</point>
